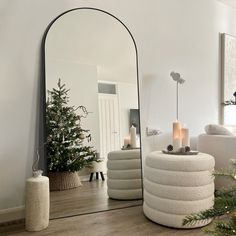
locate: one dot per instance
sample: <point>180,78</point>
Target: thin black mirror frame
<point>43,133</point>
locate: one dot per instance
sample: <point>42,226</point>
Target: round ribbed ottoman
<point>176,186</point>
<point>124,175</point>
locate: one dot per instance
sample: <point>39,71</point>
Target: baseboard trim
<point>12,214</point>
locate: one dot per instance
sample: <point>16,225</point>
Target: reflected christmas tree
<point>66,151</point>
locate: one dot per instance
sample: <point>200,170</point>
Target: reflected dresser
<point>124,178</point>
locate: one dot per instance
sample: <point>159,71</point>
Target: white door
<point>109,124</point>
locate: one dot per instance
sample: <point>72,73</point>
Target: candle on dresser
<point>185,136</point>
<point>133,141</point>
<point>177,139</point>
<point>126,141</point>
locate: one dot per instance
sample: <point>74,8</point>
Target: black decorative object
<point>230,102</point>
<point>187,149</point>
<point>129,147</point>
<point>170,148</point>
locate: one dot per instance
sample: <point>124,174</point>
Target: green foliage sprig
<point>224,208</point>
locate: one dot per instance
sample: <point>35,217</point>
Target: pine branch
<point>203,216</point>
<point>224,205</point>
<point>226,192</point>
<point>227,202</point>
<point>221,207</point>
<point>233,161</point>
<point>223,228</point>
<point>226,173</point>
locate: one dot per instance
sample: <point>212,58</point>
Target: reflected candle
<point>126,141</point>
<point>133,140</point>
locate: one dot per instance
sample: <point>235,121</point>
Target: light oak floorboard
<point>129,221</point>
<point>91,197</point>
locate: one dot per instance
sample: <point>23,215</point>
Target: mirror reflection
<point>229,82</point>
<point>92,115</point>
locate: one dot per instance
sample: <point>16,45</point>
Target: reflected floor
<point>91,197</point>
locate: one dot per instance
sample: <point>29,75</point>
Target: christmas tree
<point>65,137</point>
<point>224,208</point>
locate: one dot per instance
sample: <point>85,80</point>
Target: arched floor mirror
<point>91,80</point>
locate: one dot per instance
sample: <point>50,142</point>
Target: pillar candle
<point>177,144</point>
<point>133,141</point>
<point>185,136</point>
<point>177,139</point>
<point>126,141</point>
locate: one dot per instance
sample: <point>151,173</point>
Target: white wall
<point>93,38</point>
<point>181,35</point>
<point>185,37</point>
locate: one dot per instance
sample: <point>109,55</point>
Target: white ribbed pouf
<point>124,175</point>
<point>176,186</point>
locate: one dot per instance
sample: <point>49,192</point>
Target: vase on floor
<point>37,202</point>
<point>59,181</point>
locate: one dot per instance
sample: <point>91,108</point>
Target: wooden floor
<point>91,197</point>
<point>129,221</point>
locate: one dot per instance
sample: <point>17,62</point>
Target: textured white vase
<point>37,203</point>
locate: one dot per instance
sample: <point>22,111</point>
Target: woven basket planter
<point>63,180</point>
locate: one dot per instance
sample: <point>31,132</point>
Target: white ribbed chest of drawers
<point>176,186</point>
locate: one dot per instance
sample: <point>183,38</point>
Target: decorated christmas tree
<point>66,151</point>
<point>224,209</point>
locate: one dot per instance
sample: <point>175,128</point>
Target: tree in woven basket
<point>224,208</point>
<point>66,151</point>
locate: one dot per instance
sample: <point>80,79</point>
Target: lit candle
<point>185,136</point>
<point>126,141</point>
<point>177,138</point>
<point>177,144</point>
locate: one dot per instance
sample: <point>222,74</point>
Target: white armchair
<point>222,148</point>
